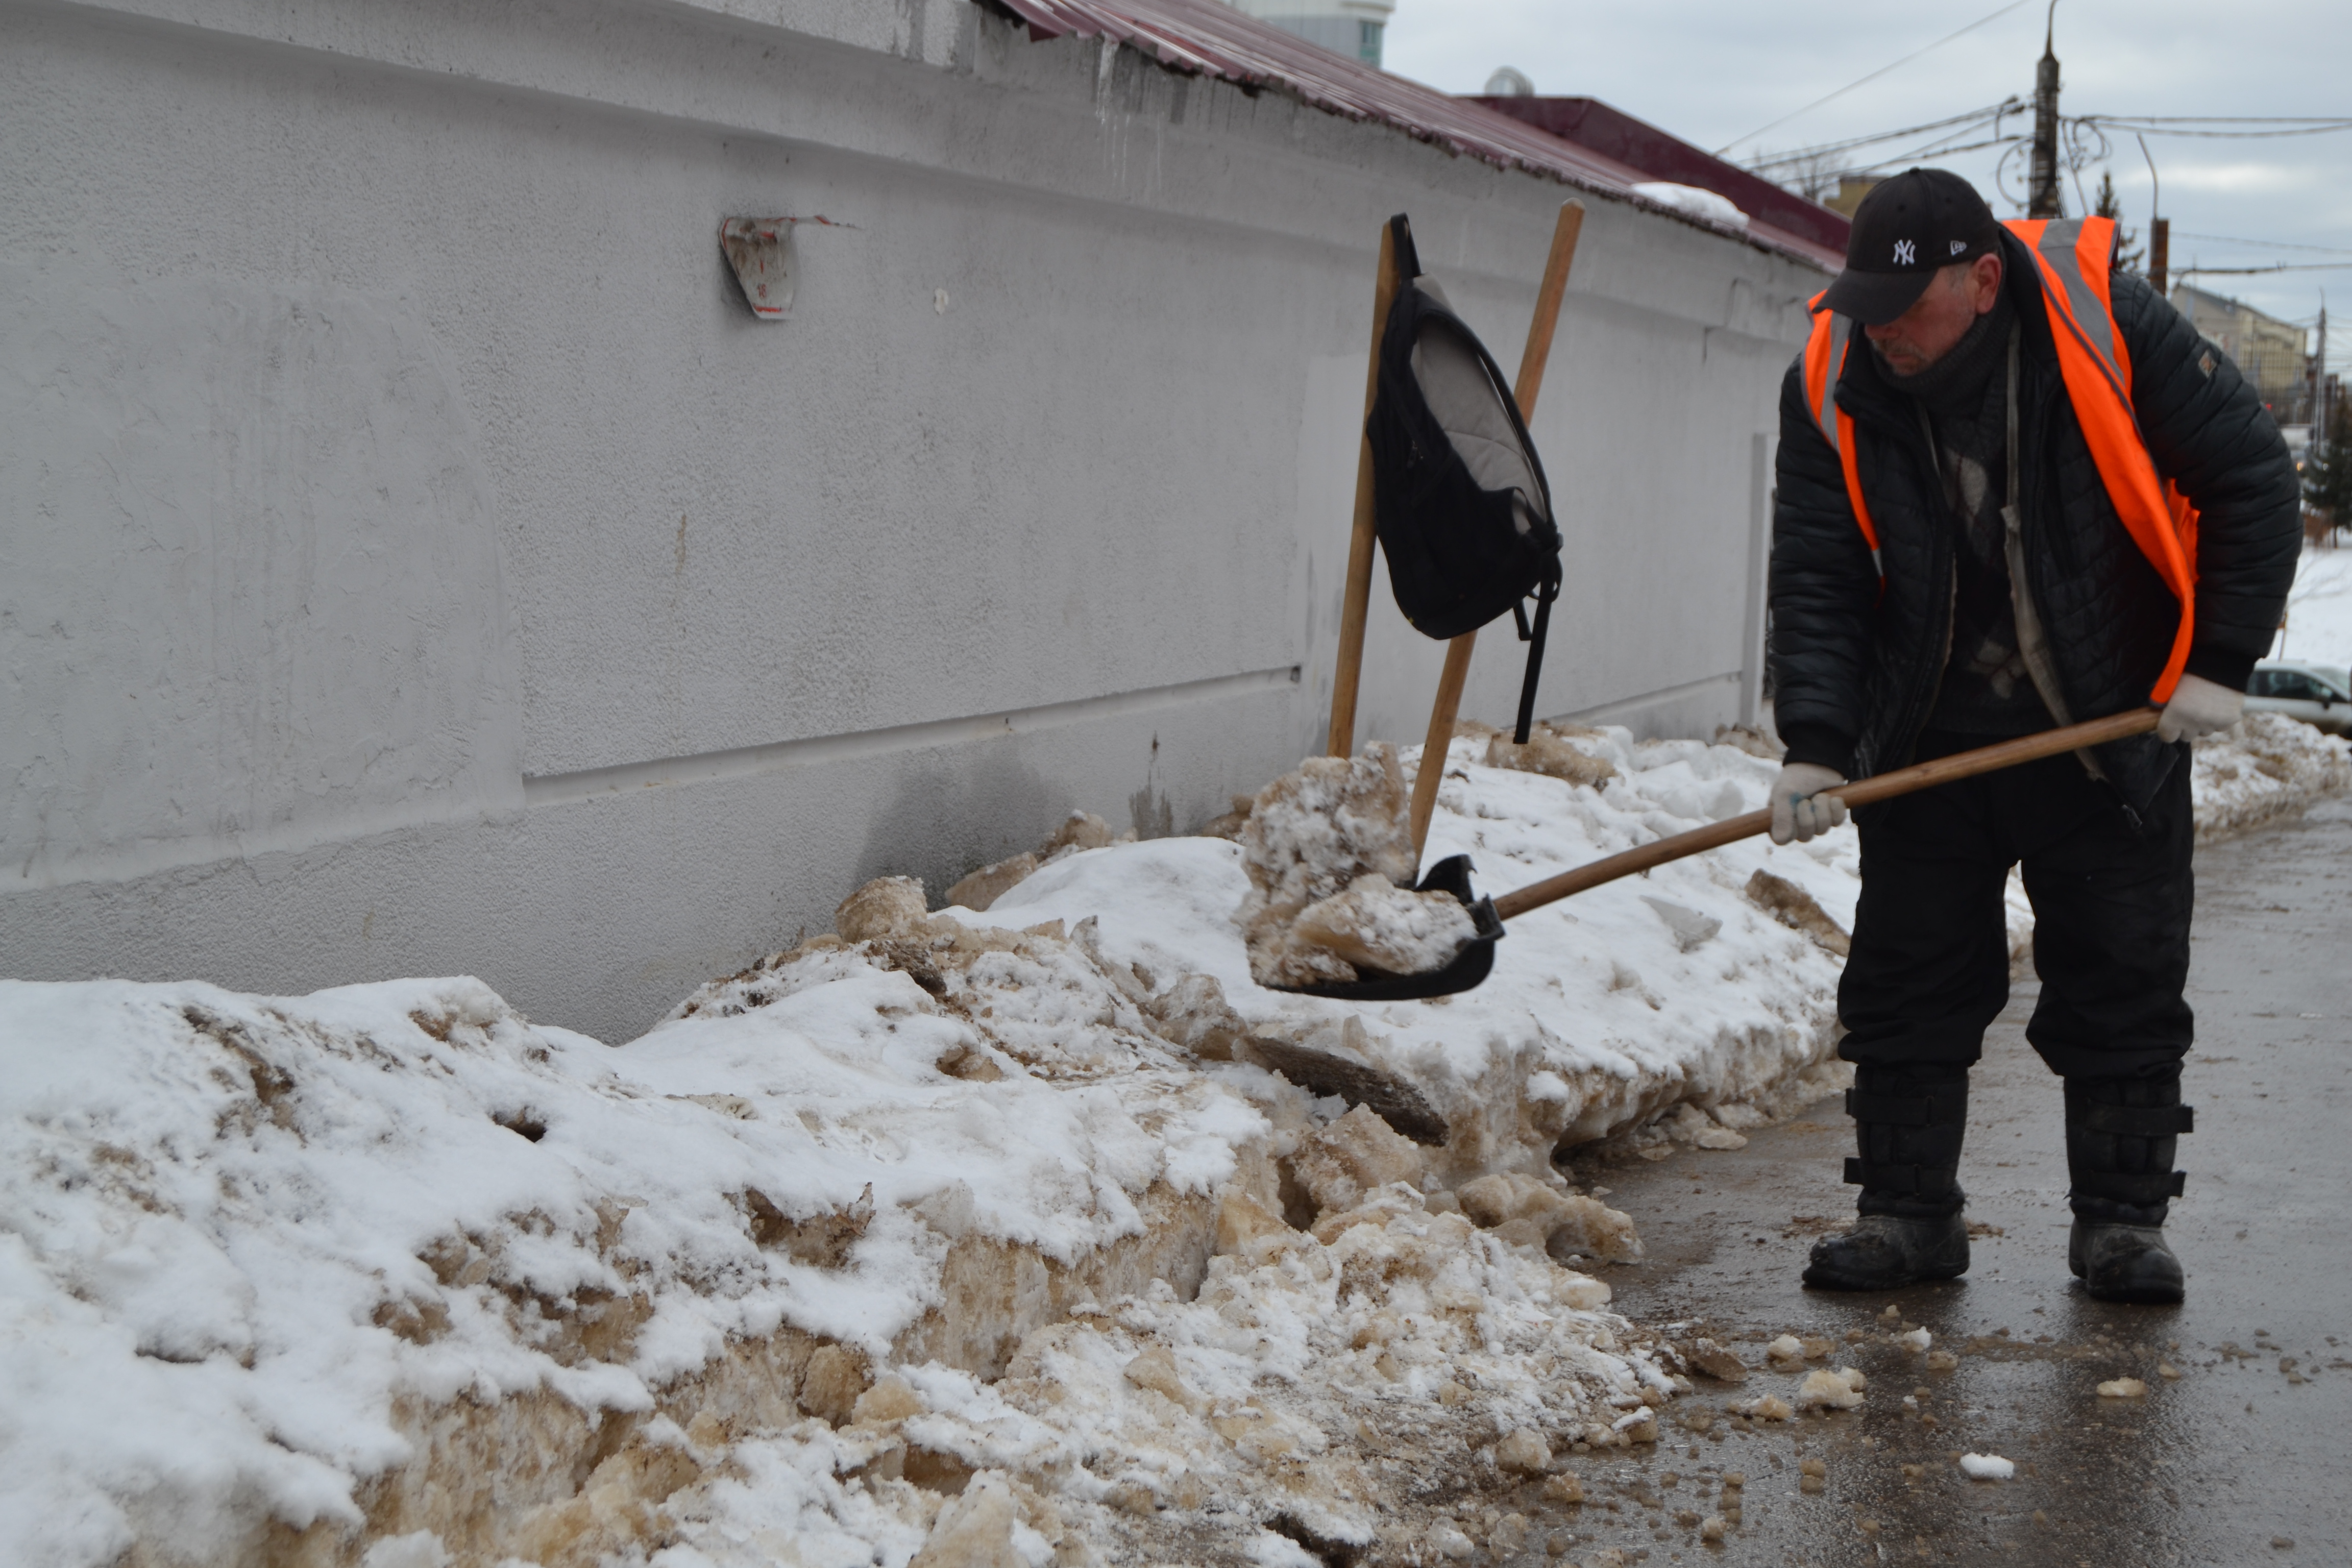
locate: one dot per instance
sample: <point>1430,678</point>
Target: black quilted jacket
<point>1855,672</point>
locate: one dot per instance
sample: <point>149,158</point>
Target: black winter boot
<point>1909,1121</point>
<point>2121,1136</point>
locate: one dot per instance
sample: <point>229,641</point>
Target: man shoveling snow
<point>1975,536</point>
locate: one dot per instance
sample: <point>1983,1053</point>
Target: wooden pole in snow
<point>1357,599</point>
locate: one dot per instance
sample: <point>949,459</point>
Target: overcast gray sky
<point>1710,70</point>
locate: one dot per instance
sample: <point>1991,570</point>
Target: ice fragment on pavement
<point>2122,1388</point>
<point>1788,1347</point>
<point>1523,1452</point>
<point>1452,1545</point>
<point>1712,1528</point>
<point>1988,1467</point>
<point>1525,1211</point>
<point>1765,1408</point>
<point>2166,1371</point>
<point>1716,1362</point>
<point>1689,927</point>
<point>1917,1340</point>
<point>1942,1360</point>
<point>1826,1390</point>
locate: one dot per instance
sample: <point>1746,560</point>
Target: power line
<point>1824,149</point>
<point>2250,272</point>
<point>2266,243</point>
<point>2159,127</point>
<point>2223,119</point>
<point>1874,75</point>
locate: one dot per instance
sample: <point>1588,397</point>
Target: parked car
<point>2316,693</point>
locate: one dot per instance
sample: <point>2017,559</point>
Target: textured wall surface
<point>413,556</point>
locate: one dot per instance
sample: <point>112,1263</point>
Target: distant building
<point>2274,355</point>
<point>1851,189</point>
<point>1349,27</point>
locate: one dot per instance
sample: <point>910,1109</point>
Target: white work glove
<point>1800,811</point>
<point>2199,707</point>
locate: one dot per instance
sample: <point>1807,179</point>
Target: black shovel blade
<point>1464,972</point>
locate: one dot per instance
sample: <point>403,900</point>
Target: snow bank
<point>2262,768</point>
<point>390,1259</point>
<point>1693,984</point>
<point>982,1238</point>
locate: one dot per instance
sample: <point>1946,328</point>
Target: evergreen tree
<point>2127,258</point>
<point>2327,469</point>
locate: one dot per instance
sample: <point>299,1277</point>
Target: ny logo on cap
<point>1958,245</point>
<point>1906,253</point>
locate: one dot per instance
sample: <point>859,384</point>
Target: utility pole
<point>2159,228</point>
<point>2319,410</point>
<point>2042,200</point>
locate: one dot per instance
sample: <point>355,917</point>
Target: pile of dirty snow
<point>1708,983</point>
<point>1035,1229</point>
<point>391,1258</point>
<point>2262,768</point>
<point>932,1240</point>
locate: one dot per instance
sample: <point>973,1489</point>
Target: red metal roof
<point>1208,39</point>
<point>1613,133</point>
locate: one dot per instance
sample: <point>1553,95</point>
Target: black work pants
<point>2111,889</point>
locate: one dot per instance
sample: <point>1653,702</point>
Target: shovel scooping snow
<point>1334,823</point>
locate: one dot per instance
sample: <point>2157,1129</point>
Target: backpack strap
<point>1546,591</point>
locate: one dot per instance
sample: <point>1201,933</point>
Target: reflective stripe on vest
<point>2071,260</point>
<point>1824,363</point>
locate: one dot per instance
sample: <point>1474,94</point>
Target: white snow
<point>241,1227</point>
<point>1988,1467</point>
<point>1608,996</point>
<point>868,1221</point>
<point>2264,767</point>
<point>2319,610</point>
<point>1695,200</point>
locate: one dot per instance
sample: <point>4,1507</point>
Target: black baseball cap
<point>1907,230</point>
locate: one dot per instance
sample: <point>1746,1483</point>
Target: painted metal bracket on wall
<point>760,249</point>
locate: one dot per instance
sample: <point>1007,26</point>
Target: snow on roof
<point>1208,37</point>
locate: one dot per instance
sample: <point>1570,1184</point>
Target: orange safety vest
<point>2070,256</point>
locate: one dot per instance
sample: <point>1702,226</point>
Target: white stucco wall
<point>414,558</point>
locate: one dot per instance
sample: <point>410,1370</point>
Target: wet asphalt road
<point>2245,1457</point>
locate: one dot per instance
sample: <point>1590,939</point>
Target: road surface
<point>2245,1457</point>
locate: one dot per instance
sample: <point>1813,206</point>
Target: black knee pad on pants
<point>1909,1119</point>
<point>2122,1136</point>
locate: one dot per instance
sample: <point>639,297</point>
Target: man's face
<point>1939,317</point>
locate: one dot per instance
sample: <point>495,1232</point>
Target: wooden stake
<point>1357,599</point>
<point>1456,674</point>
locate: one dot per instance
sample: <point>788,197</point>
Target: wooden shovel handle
<point>1356,598</point>
<point>1886,786</point>
<point>1532,360</point>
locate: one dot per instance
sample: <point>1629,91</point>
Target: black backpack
<point>1458,493</point>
